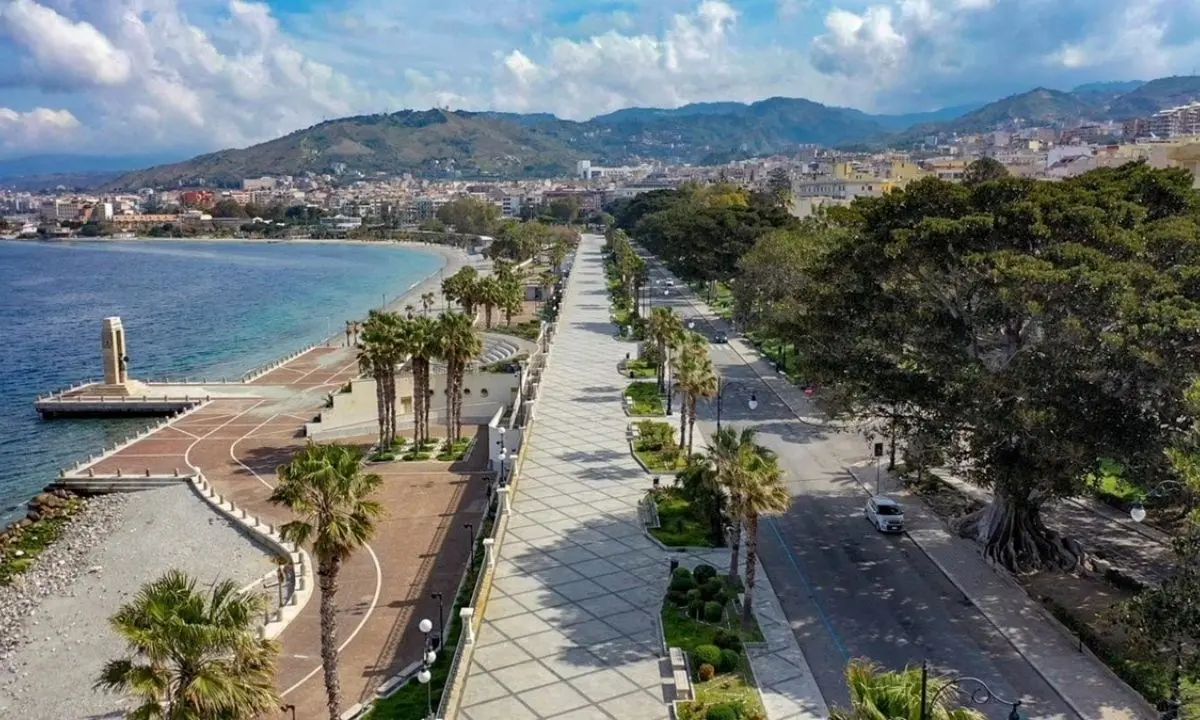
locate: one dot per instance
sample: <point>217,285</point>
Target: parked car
<point>720,337</point>
<point>885,514</point>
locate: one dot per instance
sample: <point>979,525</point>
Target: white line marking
<point>244,465</point>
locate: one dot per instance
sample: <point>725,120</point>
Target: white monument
<point>116,372</point>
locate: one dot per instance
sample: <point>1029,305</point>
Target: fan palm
<point>728,449</point>
<point>699,484</point>
<point>547,280</point>
<point>460,288</point>
<point>458,343</point>
<point>663,329</point>
<point>422,346</point>
<point>490,295</point>
<point>694,377</point>
<point>879,694</point>
<point>558,254</point>
<point>762,492</point>
<point>427,302</point>
<point>377,356</point>
<point>193,655</point>
<point>512,298</point>
<point>325,488</point>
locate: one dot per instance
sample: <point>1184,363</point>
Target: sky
<point>135,76</point>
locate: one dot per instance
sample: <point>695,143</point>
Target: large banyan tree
<point>1038,327</point>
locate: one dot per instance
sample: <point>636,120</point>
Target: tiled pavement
<point>570,629</point>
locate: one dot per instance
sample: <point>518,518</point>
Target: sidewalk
<point>1081,679</point>
<point>571,628</point>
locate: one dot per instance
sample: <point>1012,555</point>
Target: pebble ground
<point>60,621</point>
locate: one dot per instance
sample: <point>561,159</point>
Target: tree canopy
<point>470,215</point>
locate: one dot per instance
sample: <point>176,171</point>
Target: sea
<point>190,309</point>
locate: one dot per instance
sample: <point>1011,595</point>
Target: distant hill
<point>445,144</point>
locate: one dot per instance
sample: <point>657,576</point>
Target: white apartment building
<point>1182,121</point>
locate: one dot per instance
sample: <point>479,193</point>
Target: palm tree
<point>376,355</point>
<point>547,280</point>
<point>879,694</point>
<point>664,329</point>
<point>694,378</point>
<point>458,287</point>
<point>490,294</point>
<point>763,492</point>
<point>727,450</point>
<point>512,299</point>
<point>427,302</point>
<point>422,348</point>
<point>324,486</point>
<point>558,254</point>
<point>458,344</point>
<point>699,484</point>
<point>193,654</point>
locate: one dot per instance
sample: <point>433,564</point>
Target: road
<point>848,590</point>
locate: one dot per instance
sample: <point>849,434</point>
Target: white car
<point>885,514</point>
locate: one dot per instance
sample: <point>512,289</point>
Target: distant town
<point>344,203</point>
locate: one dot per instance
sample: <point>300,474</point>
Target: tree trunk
<point>507,316</point>
<point>328,577</point>
<point>426,401</point>
<point>735,542</point>
<point>487,316</point>
<point>662,366</point>
<point>751,570</point>
<point>892,445</point>
<point>1013,534</point>
<point>418,403</point>
<point>683,421</point>
<point>380,410</point>
<point>392,401</point>
<point>691,401</point>
<point>449,400</point>
<point>458,379</point>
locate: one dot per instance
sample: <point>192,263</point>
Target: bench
<point>683,679</point>
<point>632,432</point>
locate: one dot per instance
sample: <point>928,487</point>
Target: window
<point>889,510</point>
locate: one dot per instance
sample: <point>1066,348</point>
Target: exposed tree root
<point>1018,539</point>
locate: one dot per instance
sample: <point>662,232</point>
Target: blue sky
<point>205,74</point>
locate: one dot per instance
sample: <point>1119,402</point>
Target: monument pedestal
<point>129,388</point>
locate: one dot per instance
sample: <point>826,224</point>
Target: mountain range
<point>441,143</point>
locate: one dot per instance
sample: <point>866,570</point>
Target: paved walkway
<point>571,627</point>
<point>1080,679</point>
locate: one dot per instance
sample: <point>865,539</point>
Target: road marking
<point>361,623</point>
<point>188,453</point>
<point>837,641</point>
<point>244,465</point>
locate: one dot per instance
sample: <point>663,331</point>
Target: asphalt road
<point>848,590</point>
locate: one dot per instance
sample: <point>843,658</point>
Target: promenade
<point>571,629</point>
<point>420,547</point>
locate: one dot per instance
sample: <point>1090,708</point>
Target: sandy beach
<point>58,616</point>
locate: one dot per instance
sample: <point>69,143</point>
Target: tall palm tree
<point>458,344</point>
<point>763,492</point>
<point>879,694</point>
<point>558,254</point>
<point>490,295</point>
<point>375,357</point>
<point>324,486</point>
<point>699,483</point>
<point>694,378</point>
<point>727,449</point>
<point>422,348</point>
<point>547,280</point>
<point>193,654</point>
<point>458,287</point>
<point>663,329</point>
<point>427,302</point>
<point>512,299</point>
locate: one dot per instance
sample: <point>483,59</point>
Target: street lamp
<point>1138,513</point>
<point>722,386</point>
<point>289,708</point>
<point>981,696</point>
<point>470,528</point>
<point>423,677</point>
<point>441,615</point>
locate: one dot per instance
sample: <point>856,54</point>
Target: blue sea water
<point>196,309</point>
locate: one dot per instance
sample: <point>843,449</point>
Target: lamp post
<point>441,616</point>
<point>1138,513</point>
<point>722,386</point>
<point>981,696</point>
<point>289,708</point>
<point>470,528</point>
<point>428,657</point>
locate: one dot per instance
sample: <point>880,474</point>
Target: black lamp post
<point>982,695</point>
<point>470,528</point>
<point>441,616</point>
<point>289,708</point>
<point>1138,513</point>
<point>722,386</point>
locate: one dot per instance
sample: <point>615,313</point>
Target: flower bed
<point>680,524</point>
<point>647,400</point>
<point>656,448</point>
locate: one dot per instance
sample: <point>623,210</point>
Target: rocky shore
<point>88,523</point>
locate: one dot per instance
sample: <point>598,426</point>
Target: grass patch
<point>389,454</point>
<point>527,330</point>
<point>422,451</point>
<point>411,700</point>
<point>455,451</point>
<point>640,369</point>
<point>647,400</point>
<point>657,448</point>
<point>680,525</point>
<point>31,541</point>
<point>735,687</point>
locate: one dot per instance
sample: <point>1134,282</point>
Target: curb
<point>1041,609</point>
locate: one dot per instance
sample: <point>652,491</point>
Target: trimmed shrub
<point>706,672</point>
<point>729,661</point>
<point>721,712</point>
<point>694,594</point>
<point>713,612</point>
<point>707,654</point>
<point>695,608</point>
<point>704,573</point>
<point>711,588</point>
<point>681,584</point>
<point>727,640</point>
<point>678,598</point>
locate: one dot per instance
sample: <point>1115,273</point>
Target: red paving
<point>421,545</point>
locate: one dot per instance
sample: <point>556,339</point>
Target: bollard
<point>489,551</point>
<point>91,473</point>
<point>505,507</point>
<point>466,614</point>
<point>62,473</point>
<point>118,472</point>
<point>147,472</point>
<point>176,472</point>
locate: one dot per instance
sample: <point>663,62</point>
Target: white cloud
<point>62,54</point>
<point>36,128</point>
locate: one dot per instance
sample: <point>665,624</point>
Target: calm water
<point>198,309</point>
